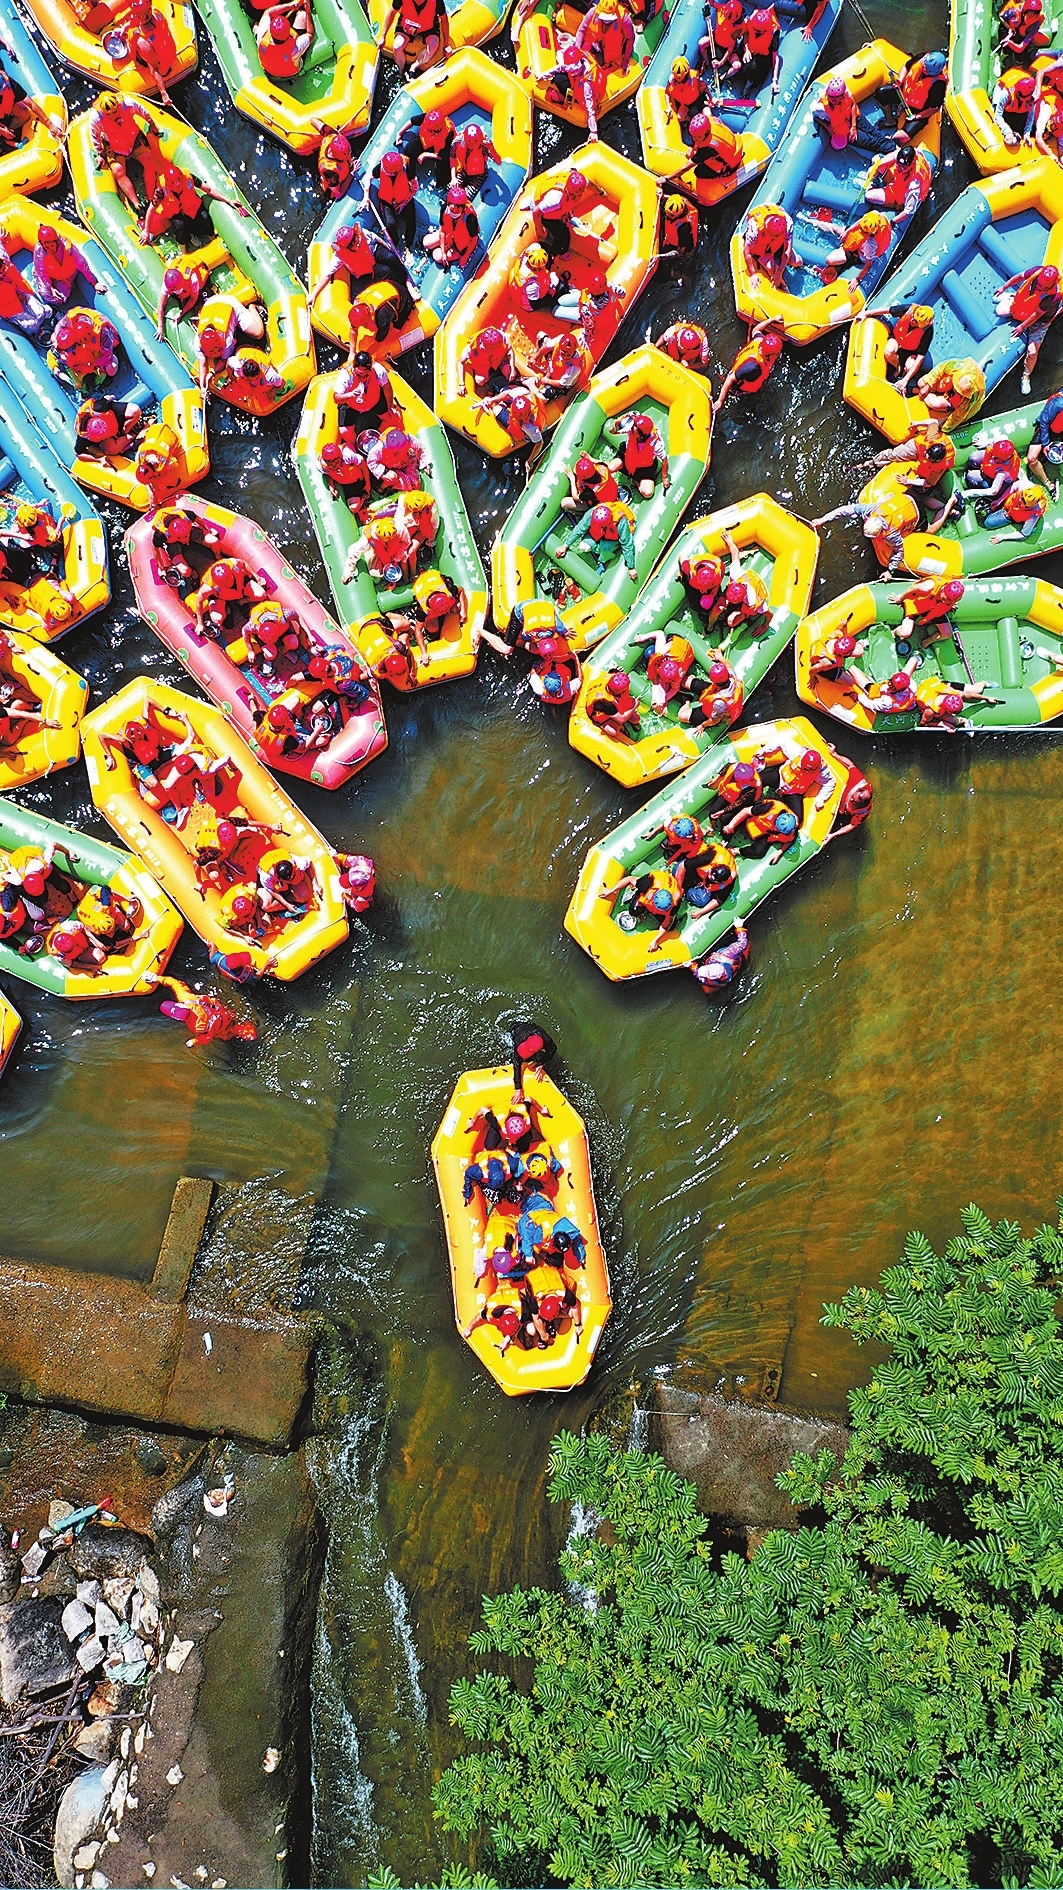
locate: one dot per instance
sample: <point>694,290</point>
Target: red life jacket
<point>991,464</point>
<point>485,355</point>
<point>909,334</point>
<point>397,189</point>
<point>469,159</point>
<point>418,17</point>
<point>918,88</point>
<point>764,360</point>
<point>673,226</point>
<point>639,455</point>
<point>599,491</point>
<point>461,229</point>
<point>761,33</point>
<point>686,94</point>
<point>604,531</point>
<point>838,113</point>
<point>434,141</point>
<point>119,131</point>
<point>1029,301</point>
<point>611,41</point>
<point>1017,509</point>
<point>12,299</point>
<point>722,143</point>
<point>727,25</point>
<point>278,58</point>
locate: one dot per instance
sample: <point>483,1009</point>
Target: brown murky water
<point>890,1056</point>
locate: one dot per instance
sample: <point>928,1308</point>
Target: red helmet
<point>668,670</point>
<point>521,406</point>
<point>810,761</point>
<point>618,681</point>
<point>331,451</point>
<point>719,674</point>
<point>953,590</point>
<point>392,163</point>
<point>575,184</point>
<point>585,467</point>
<point>492,336</point>
<point>777,224</point>
<point>844,644</point>
<point>457,198</point>
<point>474,133</point>
<point>951,704</point>
<point>337,146</point>
<point>395,447</point>
<point>227,833</point>
<point>434,120</point>
<point>573,59</point>
<point>900,682</point>
<point>642,425</point>
<point>1001,451</point>
<point>688,341</point>
<point>700,125</point>
<point>601,515</point>
<point>771,342</point>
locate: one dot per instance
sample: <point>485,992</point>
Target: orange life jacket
<point>764,359</point>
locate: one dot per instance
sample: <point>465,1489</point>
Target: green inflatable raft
<point>1006,640</point>
<point>778,553</point>
<point>965,547</point>
<point>362,600</point>
<point>128,968</point>
<point>334,85</point>
<point>546,552</point>
<point>608,918</point>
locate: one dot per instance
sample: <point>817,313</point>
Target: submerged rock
<point>80,1809</point>
<point>101,1554</point>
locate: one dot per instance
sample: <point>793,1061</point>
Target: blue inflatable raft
<point>469,89</point>
<point>31,473</point>
<point>760,130</point>
<point>822,190</point>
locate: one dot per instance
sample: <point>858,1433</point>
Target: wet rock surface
<point>181,1648</point>
<point>734,1452</point>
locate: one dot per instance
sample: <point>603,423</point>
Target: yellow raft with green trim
<point>241,789</point>
<point>94,40</point>
<point>542,550</point>
<point>781,551</point>
<point>333,87</point>
<point>36,162</point>
<point>475,1229</point>
<point>50,689</point>
<point>622,941</point>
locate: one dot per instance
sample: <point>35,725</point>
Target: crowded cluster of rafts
<point>650,632</point>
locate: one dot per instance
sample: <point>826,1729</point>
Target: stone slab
<point>733,1452</point>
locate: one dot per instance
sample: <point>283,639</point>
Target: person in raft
<point>864,242</point>
<point>422,34</point>
<point>911,331</point>
<point>768,244</point>
<point>283,37</point>
<point>1046,448</point>
<point>1032,300</point>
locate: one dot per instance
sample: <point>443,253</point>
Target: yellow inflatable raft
<point>559,1199</point>
<point>777,548</point>
<point>10,1025</point>
<point>207,772</point>
<point>45,687</point>
<point>36,161</point>
<point>92,36</point>
<point>613,254</point>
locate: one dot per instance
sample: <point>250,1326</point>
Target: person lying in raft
<point>205,1015</point>
<point>215,844</point>
<point>607,33</point>
<point>950,392</point>
<point>656,894</point>
<point>520,412</point>
<point>642,457</point>
<point>752,366</point>
<point>911,332</point>
<point>1032,300</point>
<point>612,708</point>
<point>724,962</point>
<point>488,363</point>
<point>453,242</point>
<point>283,36</point>
<point>928,607</point>
<point>771,829</point>
<point>20,713</point>
<point>359,258</point>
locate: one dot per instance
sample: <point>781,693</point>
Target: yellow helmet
<point>1030,495</point>
<point>675,206</point>
<point>26,517</point>
<point>537,257</point>
<point>921,314</point>
<point>680,68</point>
<point>417,501</point>
<point>382,530</point>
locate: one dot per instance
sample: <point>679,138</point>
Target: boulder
<point>35,1655</point>
<point>80,1809</point>
<point>100,1553</point>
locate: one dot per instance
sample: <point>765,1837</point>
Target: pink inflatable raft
<point>220,596</point>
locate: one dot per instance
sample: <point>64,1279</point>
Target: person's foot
<point>1025,384</point>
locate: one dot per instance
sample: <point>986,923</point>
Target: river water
<point>889,1057</point>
